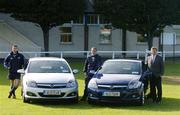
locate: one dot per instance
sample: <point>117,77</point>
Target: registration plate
<point>52,92</point>
<point>111,94</point>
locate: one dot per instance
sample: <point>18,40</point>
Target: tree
<point>44,13</point>
<point>146,17</point>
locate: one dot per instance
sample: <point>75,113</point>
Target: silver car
<point>49,78</point>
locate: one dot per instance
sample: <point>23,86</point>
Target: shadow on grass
<point>167,105</point>
<point>171,80</point>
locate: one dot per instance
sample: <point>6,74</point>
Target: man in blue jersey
<point>13,62</point>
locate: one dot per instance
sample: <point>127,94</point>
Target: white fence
<point>106,54</point>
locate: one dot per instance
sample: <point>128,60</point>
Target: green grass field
<point>170,104</point>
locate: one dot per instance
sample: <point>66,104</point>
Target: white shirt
<point>153,57</point>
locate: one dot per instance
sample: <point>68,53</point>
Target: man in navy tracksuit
<point>92,63</point>
<point>13,62</point>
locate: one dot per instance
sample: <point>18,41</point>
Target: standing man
<point>13,62</point>
<point>156,66</point>
<point>92,63</point>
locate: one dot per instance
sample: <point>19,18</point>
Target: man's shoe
<point>154,101</point>
<point>14,96</point>
<point>10,94</point>
<point>158,101</point>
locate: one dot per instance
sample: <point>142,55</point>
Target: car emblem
<point>51,85</point>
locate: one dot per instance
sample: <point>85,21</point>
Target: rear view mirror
<point>21,71</point>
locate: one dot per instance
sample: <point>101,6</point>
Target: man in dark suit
<point>156,66</point>
<point>92,63</point>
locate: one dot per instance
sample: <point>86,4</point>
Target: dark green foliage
<point>45,13</point>
<point>146,17</point>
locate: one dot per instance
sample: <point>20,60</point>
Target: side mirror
<point>98,75</point>
<point>75,71</point>
<point>21,71</point>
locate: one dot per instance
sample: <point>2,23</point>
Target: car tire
<point>91,101</point>
<point>26,100</point>
<point>141,100</point>
<point>76,99</point>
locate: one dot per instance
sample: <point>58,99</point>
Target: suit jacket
<point>156,66</point>
<point>93,62</point>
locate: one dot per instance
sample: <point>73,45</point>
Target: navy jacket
<point>92,63</point>
<point>14,62</point>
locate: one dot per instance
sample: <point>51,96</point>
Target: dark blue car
<point>118,81</point>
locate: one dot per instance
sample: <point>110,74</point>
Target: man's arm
<point>6,62</point>
<point>161,66</point>
<point>99,62</point>
<point>85,65</point>
<point>22,61</point>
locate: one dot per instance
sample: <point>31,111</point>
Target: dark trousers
<point>146,83</point>
<point>87,79</point>
<point>156,83</point>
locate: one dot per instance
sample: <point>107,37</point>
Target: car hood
<point>49,77</point>
<point>116,78</point>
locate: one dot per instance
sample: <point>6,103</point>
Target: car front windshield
<point>48,67</point>
<point>121,67</point>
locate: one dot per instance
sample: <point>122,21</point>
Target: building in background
<point>70,36</point>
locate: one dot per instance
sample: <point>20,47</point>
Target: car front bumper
<point>126,96</point>
<point>38,93</point>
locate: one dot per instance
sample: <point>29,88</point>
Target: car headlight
<point>92,84</point>
<point>71,83</point>
<point>134,84</point>
<point>31,84</point>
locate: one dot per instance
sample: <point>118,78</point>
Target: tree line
<point>146,17</point>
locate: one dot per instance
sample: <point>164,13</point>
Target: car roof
<point>130,60</point>
<point>46,58</point>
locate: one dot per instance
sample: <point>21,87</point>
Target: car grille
<point>42,95</point>
<point>112,87</point>
<point>52,85</point>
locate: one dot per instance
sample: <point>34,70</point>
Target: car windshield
<point>48,67</point>
<point>121,67</point>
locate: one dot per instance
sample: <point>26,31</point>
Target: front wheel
<point>26,100</point>
<point>76,99</point>
<point>91,101</point>
<point>141,100</point>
